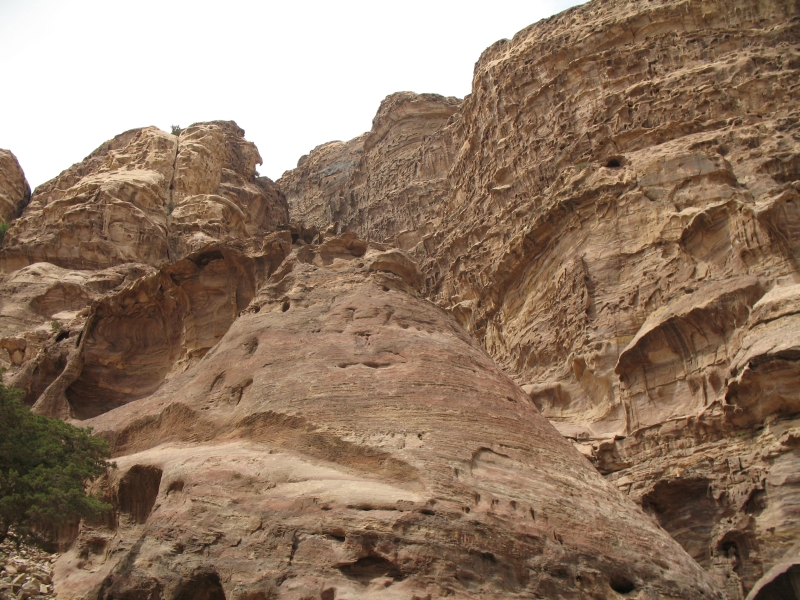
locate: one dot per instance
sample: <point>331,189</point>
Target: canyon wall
<point>289,415</point>
<point>538,342</point>
<point>613,213</point>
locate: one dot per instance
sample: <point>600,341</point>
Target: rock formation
<point>613,213</point>
<point>346,438</point>
<point>148,197</point>
<point>15,193</point>
<point>605,233</point>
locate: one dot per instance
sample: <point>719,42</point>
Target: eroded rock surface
<point>606,213</point>
<point>15,193</point>
<point>346,438</point>
<point>150,197</point>
<point>612,215</point>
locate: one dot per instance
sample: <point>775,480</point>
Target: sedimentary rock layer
<point>604,213</point>
<point>346,438</point>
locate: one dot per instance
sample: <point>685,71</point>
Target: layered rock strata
<point>150,197</point>
<point>612,212</point>
<point>346,438</point>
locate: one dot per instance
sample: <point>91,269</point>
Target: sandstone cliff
<point>609,226</point>
<point>149,197</point>
<point>613,213</point>
<point>346,438</point>
<point>289,418</point>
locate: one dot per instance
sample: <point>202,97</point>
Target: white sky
<point>292,74</point>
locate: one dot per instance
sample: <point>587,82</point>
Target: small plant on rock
<point>176,129</point>
<point>3,228</point>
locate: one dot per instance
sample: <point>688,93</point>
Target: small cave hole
<point>202,585</point>
<point>613,163</point>
<point>730,549</point>
<point>62,335</point>
<point>285,306</point>
<point>756,502</point>
<point>369,568</point>
<point>175,486</point>
<point>621,584</point>
<point>329,594</point>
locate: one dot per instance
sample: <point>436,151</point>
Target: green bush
<point>176,129</point>
<point>45,466</point>
<point>3,228</point>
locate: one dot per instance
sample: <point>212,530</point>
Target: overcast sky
<point>292,74</point>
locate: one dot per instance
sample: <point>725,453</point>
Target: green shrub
<point>3,228</point>
<point>176,129</point>
<point>55,325</point>
<point>45,466</point>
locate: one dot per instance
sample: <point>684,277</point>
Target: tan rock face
<point>612,215</point>
<point>604,213</point>
<point>346,438</point>
<point>43,309</point>
<point>148,197</point>
<point>15,193</point>
<point>384,184</point>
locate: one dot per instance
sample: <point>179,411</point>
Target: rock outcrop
<point>613,213</point>
<point>148,197</point>
<point>346,438</point>
<point>15,193</point>
<point>605,233</point>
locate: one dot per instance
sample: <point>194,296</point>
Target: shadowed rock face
<point>135,339</point>
<point>604,213</point>
<point>149,197</point>
<point>15,193</point>
<point>345,434</point>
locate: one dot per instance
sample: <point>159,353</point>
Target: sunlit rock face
<point>150,197</point>
<point>612,213</point>
<point>346,438</point>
